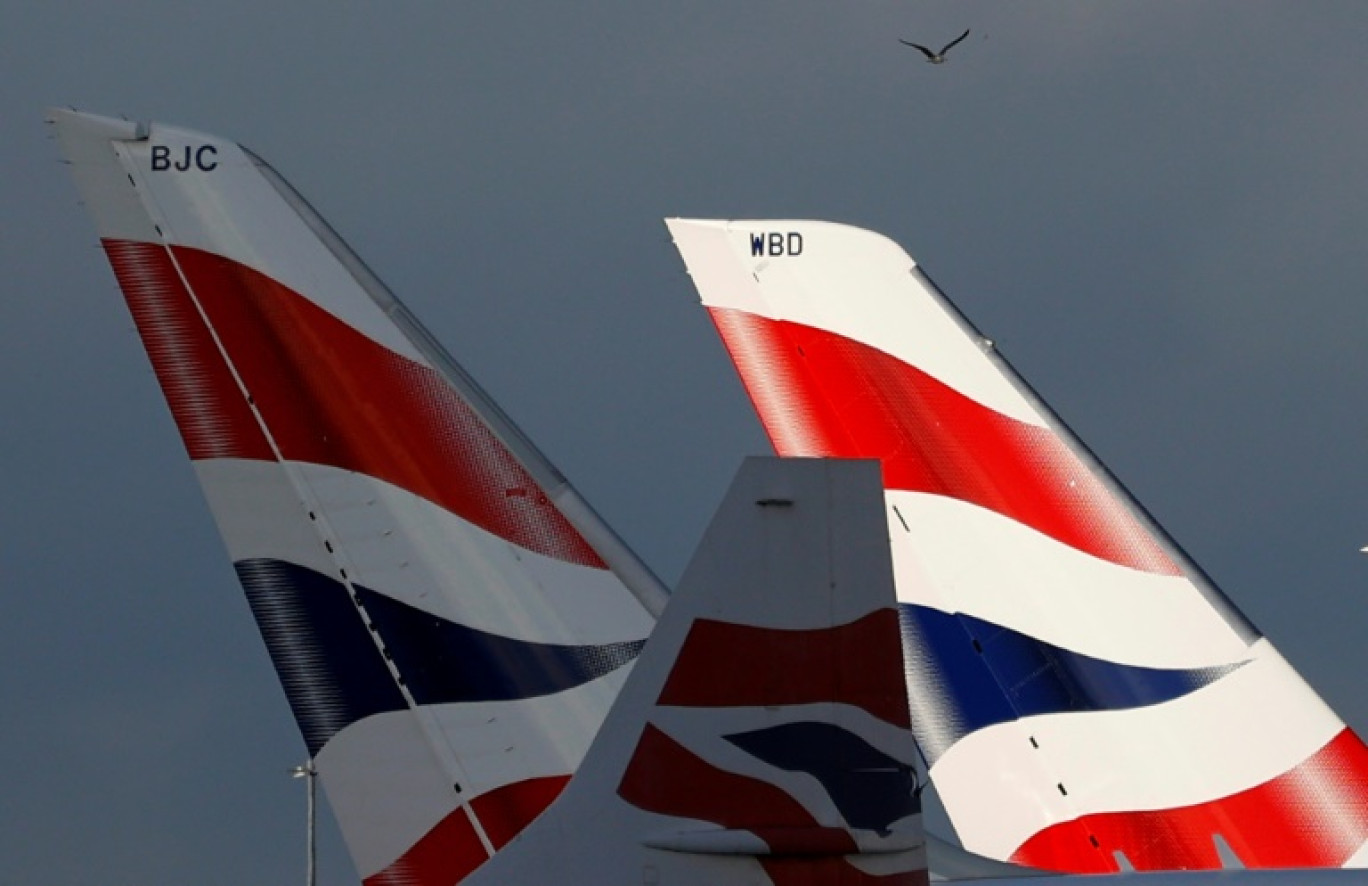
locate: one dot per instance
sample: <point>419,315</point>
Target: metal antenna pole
<point>309,774</point>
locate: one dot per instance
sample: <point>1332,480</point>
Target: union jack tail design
<point>764,735</point>
<point>1086,697</point>
<point>439,604</point>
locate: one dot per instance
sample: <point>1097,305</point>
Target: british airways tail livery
<point>450,622</point>
<point>764,734</point>
<point>1088,700</point>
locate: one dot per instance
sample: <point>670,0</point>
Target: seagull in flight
<point>936,58</point>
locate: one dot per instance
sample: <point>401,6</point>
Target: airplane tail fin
<point>437,601</point>
<point>1086,697</point>
<point>764,734</point>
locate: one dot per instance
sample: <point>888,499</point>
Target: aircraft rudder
<point>764,731</point>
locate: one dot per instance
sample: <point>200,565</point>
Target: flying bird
<point>936,58</point>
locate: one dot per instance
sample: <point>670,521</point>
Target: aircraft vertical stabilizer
<point>1082,691</point>
<point>764,735</point>
<point>449,620</point>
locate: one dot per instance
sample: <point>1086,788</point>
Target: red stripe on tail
<point>450,851</point>
<point>723,664</point>
<point>821,394</point>
<point>327,393</point>
<point>206,402</point>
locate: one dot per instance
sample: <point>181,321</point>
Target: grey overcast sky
<point>1157,208</point>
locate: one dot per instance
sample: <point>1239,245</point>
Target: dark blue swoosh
<point>442,661</point>
<point>870,789</point>
<point>334,673</point>
<point>984,674</point>
<point>331,670</point>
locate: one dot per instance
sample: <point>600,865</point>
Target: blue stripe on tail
<point>982,674</point>
<point>334,672</point>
